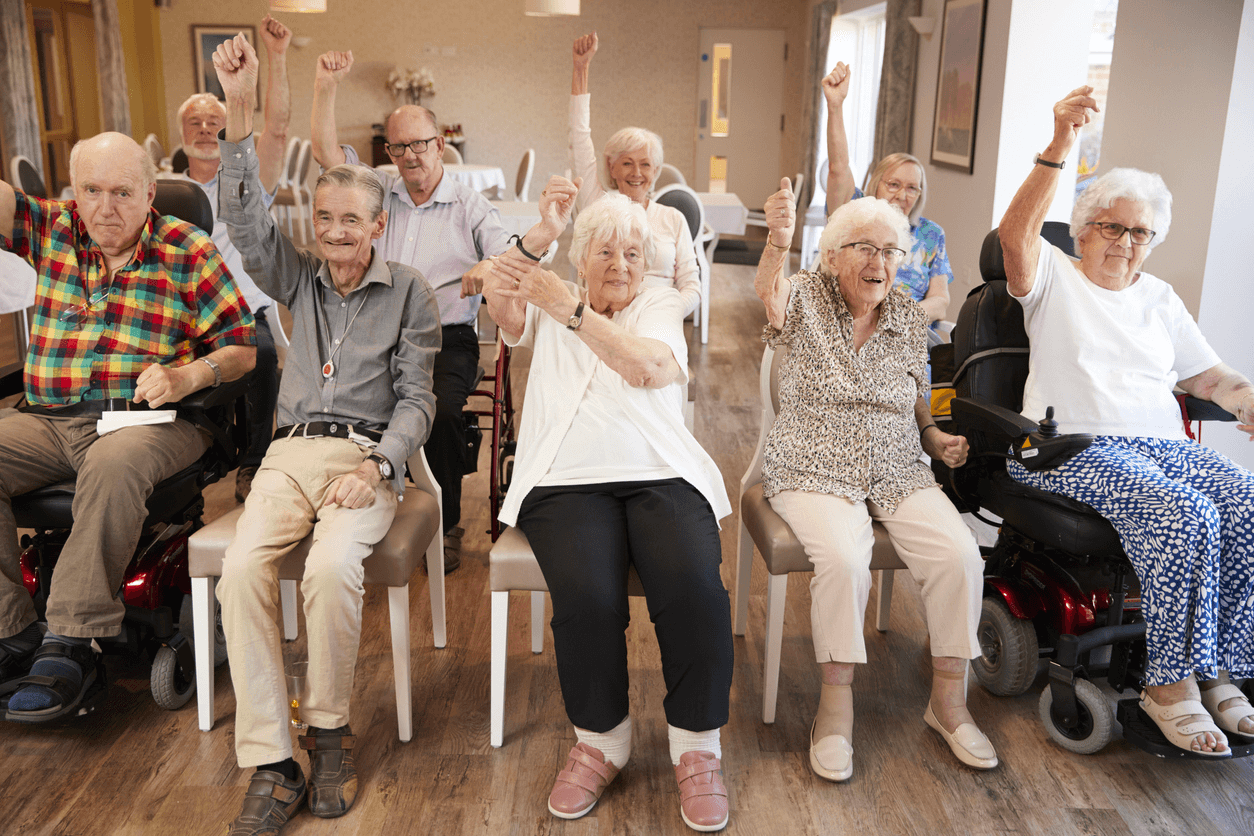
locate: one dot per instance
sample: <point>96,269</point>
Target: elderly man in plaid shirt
<point>132,310</point>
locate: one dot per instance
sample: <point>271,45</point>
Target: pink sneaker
<point>702,796</point>
<point>579,786</point>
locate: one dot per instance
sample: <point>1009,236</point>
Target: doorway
<point>63,49</point>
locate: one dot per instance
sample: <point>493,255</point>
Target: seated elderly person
<point>607,477</point>
<point>633,160</point>
<point>132,310</point>
<point>845,451</point>
<point>1118,340</point>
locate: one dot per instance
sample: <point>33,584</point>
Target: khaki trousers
<point>114,474</point>
<point>285,505</point>
<point>931,540</point>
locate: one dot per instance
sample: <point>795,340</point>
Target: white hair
<point>354,177</point>
<point>859,213</point>
<point>612,217</point>
<point>204,99</point>
<point>1123,184</point>
<point>627,140</point>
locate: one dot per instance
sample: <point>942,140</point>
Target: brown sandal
<point>332,773</point>
<point>579,786</point>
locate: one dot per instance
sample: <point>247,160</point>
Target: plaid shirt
<point>173,302</point>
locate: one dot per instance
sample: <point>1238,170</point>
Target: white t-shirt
<point>560,387</point>
<point>1107,360</point>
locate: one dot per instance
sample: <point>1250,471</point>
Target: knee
<point>243,578</point>
<point>840,565</point>
<point>592,609</point>
<point>331,570</point>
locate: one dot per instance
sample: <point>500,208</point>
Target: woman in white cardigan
<point>633,159</point>
<point>607,478</point>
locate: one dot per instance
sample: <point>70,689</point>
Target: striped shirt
<point>174,301</point>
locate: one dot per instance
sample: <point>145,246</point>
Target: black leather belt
<point>95,407</point>
<point>326,429</point>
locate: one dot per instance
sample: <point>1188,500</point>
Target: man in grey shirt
<point>355,403</point>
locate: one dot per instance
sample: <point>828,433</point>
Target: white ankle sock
<point>683,741</point>
<point>615,744</point>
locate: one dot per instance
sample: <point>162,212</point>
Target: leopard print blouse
<point>846,422</point>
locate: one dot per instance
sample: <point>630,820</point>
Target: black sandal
<point>14,667</point>
<point>70,697</point>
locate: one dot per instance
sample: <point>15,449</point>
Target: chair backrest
<point>185,201</point>
<point>798,189</point>
<point>768,398</point>
<point>290,162</point>
<point>178,160</point>
<point>154,148</point>
<point>451,155</point>
<point>686,201</point>
<point>522,181</point>
<point>303,160</point>
<point>669,175</point>
<point>26,177</point>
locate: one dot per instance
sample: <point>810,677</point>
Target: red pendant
<point>328,370</point>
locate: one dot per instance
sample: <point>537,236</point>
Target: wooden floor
<point>133,768</point>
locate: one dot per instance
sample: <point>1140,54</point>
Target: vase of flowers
<point>411,85</point>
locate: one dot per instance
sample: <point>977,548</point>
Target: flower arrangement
<point>411,84</point>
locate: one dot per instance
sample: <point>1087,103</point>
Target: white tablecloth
<point>517,217</point>
<point>724,212</point>
<point>478,177</point>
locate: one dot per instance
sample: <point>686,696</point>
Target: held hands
<point>1072,113</point>
<point>514,276</point>
<point>356,489</point>
<point>583,50</point>
<point>836,86</point>
<point>781,215</point>
<point>275,36</point>
<point>236,63</point>
<point>161,384</point>
<point>951,449</point>
<point>557,201</point>
<point>333,66</point>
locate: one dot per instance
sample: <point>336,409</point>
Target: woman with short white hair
<point>854,420</point>
<point>631,163</point>
<point>607,478</point>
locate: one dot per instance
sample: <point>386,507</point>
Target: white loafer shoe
<point>967,742</point>
<point>831,757</point>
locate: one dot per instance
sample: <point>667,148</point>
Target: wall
<point>509,82</point>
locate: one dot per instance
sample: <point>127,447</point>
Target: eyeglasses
<point>895,186</point>
<point>77,315</point>
<point>1113,232</point>
<point>397,149</point>
<point>891,255</point>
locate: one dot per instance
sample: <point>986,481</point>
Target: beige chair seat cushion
<point>391,563</point>
<point>780,548</point>
<point>513,566</point>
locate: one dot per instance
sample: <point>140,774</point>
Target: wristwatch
<point>385,466</point>
<point>576,319</point>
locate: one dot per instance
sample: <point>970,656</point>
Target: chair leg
<point>496,708</point>
<point>744,570</point>
<point>776,593</point>
<point>435,576</point>
<point>398,612</point>
<point>884,601</point>
<point>202,618</point>
<point>537,622</point>
<point>287,596</point>
<point>705,305</point>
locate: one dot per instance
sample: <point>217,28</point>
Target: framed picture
<point>958,85</point>
<point>205,39</point>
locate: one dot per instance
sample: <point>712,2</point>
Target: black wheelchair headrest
<point>185,201</point>
<point>993,267</point>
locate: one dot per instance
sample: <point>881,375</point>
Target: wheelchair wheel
<point>219,637</point>
<point>1096,726</point>
<point>1009,651</point>
<point>170,689</point>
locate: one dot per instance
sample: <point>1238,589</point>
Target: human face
<point>419,171</point>
<point>902,187</point>
<point>111,196</point>
<point>633,173</point>
<point>201,124</point>
<point>1114,264</point>
<point>344,227</point>
<point>613,270</point>
<point>864,282</point>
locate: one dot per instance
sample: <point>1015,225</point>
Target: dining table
<point>724,212</point>
<point>478,177</point>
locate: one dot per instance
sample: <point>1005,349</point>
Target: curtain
<point>19,117</point>
<point>894,116</point>
<point>115,108</point>
<point>820,37</point>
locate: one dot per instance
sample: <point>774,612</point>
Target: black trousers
<point>585,537</point>
<point>453,380</point>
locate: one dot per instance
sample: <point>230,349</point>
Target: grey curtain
<point>820,36</point>
<point>895,111</point>
<point>19,118</point>
<point>115,109</point>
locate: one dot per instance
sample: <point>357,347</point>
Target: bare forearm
<point>239,117</point>
<point>839,174</point>
<point>272,143</point>
<point>936,302</point>
<point>642,362</point>
<point>579,80</point>
<point>1223,385</point>
<point>771,284</point>
<point>8,209</point>
<point>1020,227</point>
<point>322,128</point>
<point>235,361</point>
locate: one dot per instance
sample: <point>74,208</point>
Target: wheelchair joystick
<point>1048,426</point>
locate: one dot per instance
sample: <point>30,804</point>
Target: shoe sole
<point>568,816</point>
<point>704,828</point>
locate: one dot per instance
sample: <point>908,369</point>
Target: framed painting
<point>205,39</point>
<point>958,85</point>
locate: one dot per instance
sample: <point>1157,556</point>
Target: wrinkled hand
<point>836,85</point>
<point>236,63</point>
<point>275,36</point>
<point>584,49</point>
<point>474,278</point>
<point>1072,113</point>
<point>557,202</point>
<point>1245,416</point>
<point>781,215</point>
<point>356,489</point>
<point>952,449</point>
<point>333,66</point>
<point>161,384</point>
<point>515,276</point>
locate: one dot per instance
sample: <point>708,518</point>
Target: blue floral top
<point>927,258</point>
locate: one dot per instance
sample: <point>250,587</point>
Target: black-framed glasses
<point>895,186</point>
<point>1113,232</point>
<point>397,149</point>
<point>891,255</point>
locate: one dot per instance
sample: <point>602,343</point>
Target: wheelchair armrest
<point>1200,410</point>
<point>997,421</point>
<point>220,396</point>
<point>1035,446</point>
<point>11,382</point>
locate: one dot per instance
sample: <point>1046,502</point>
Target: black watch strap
<point>1041,161</point>
<point>516,240</point>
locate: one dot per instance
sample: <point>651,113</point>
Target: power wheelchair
<point>156,588</point>
<point>1057,586</point>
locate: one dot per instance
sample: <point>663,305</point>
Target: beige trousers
<point>931,540</point>
<point>284,506</point>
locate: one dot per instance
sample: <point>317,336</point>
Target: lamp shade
<point>298,5</point>
<point>550,8</point>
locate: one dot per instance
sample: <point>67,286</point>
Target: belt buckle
<point>304,431</point>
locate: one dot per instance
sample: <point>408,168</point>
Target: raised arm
<point>839,175</point>
<point>1227,387</point>
<point>583,155</point>
<point>236,64</point>
<point>8,209</point>
<point>582,53</point>
<point>771,282</point>
<point>273,142</point>
<point>332,67</point>
<point>1020,228</point>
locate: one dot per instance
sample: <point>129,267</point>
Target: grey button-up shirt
<point>382,378</point>
<point>444,237</point>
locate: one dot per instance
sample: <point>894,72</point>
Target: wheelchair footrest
<point>1142,732</point>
